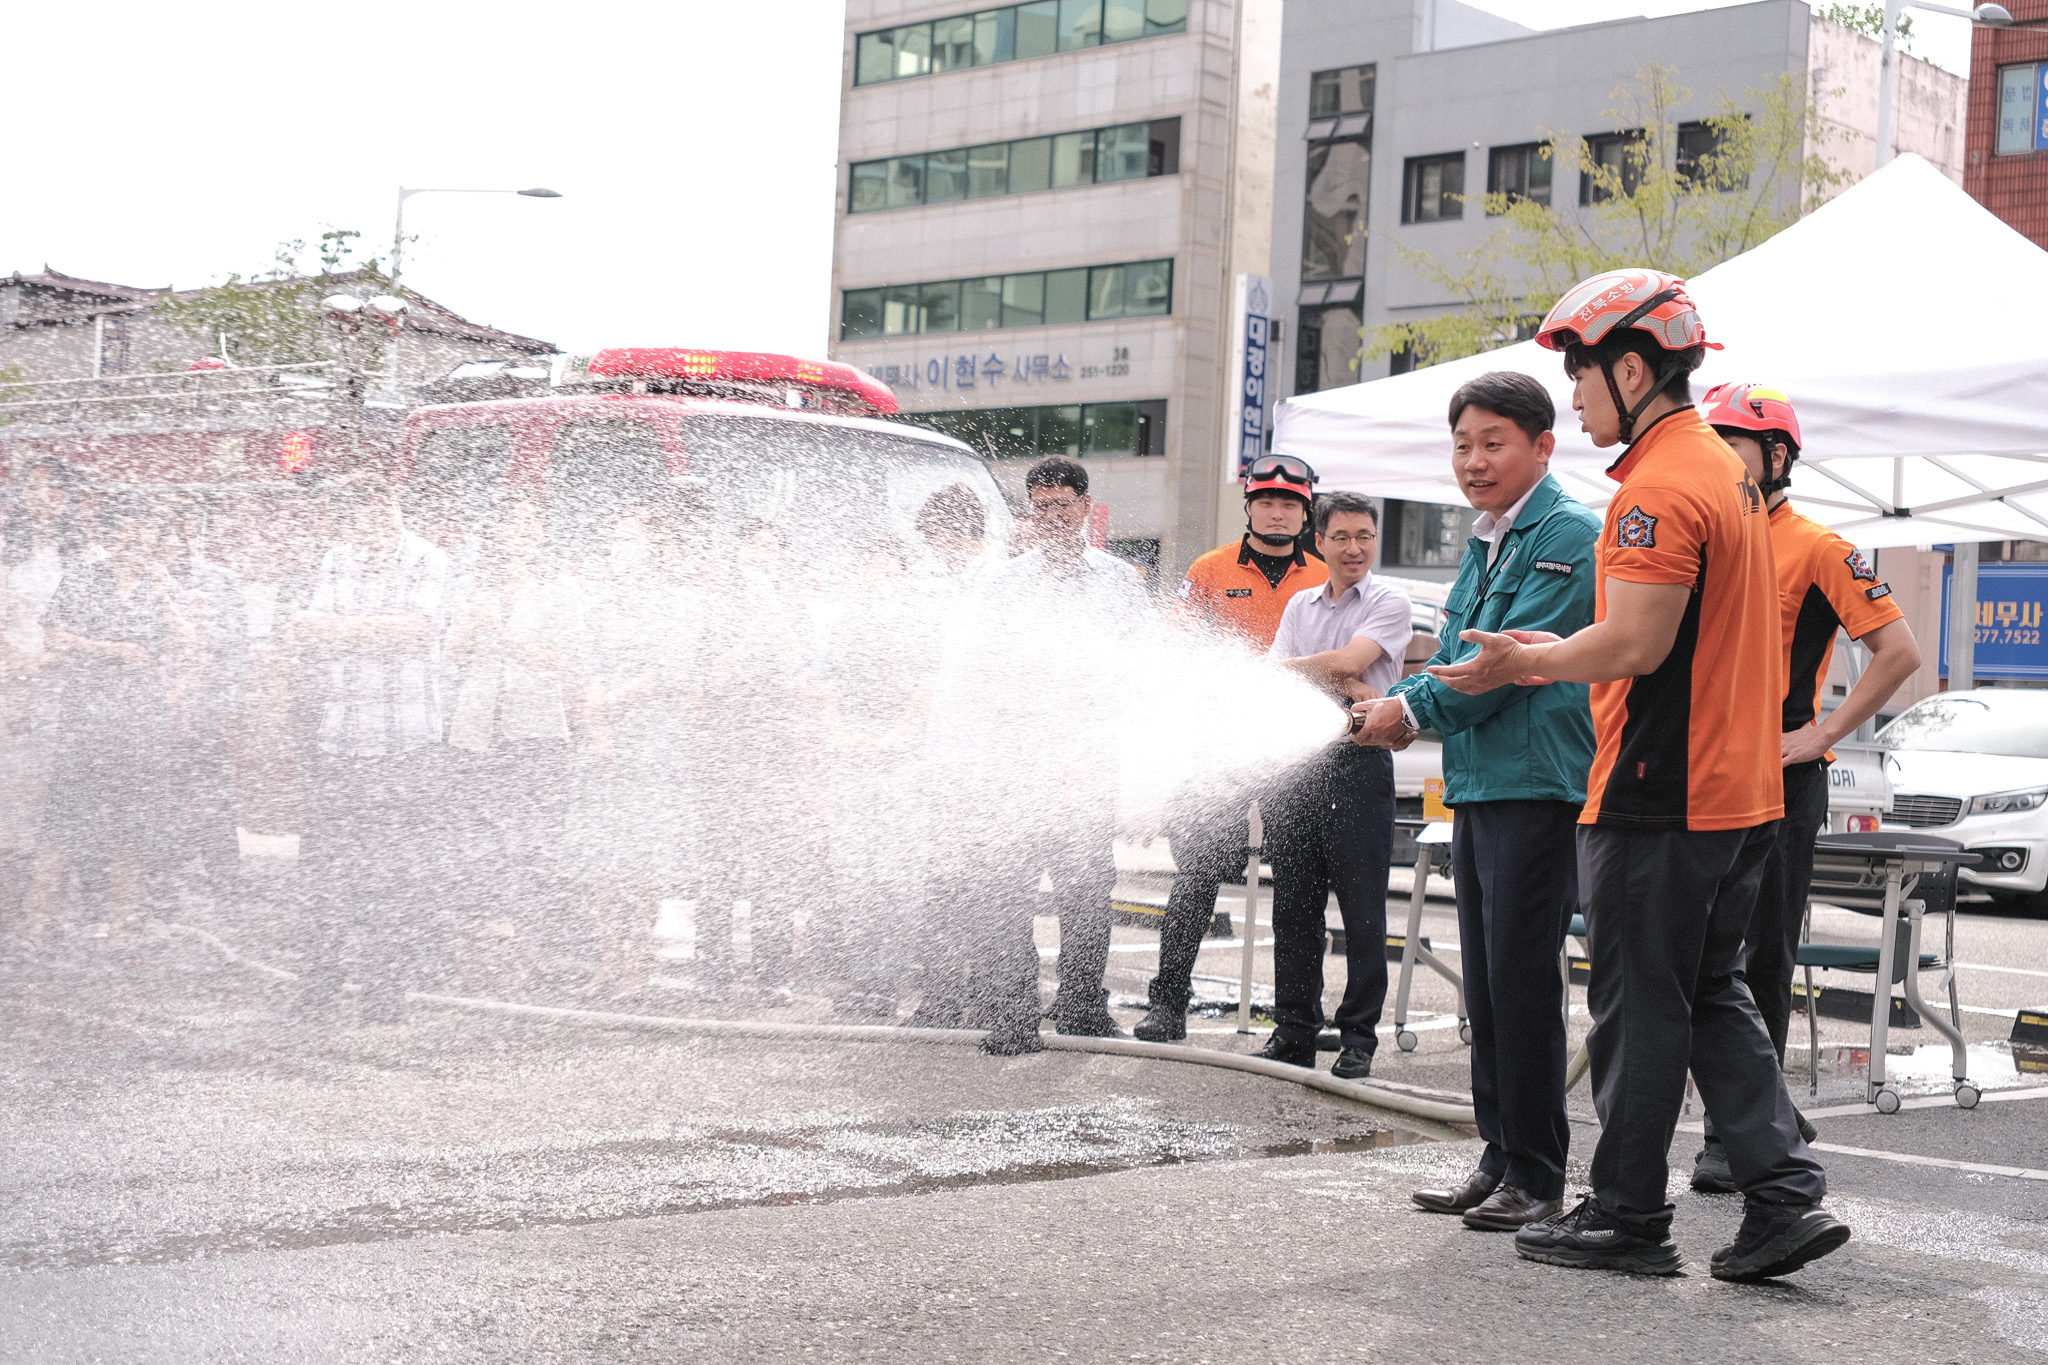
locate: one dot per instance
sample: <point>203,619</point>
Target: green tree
<point>1680,210</point>
<point>273,317</point>
<point>1869,20</point>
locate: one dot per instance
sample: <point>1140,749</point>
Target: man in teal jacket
<point>1515,762</point>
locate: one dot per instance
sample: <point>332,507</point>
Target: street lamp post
<point>1985,16</point>
<point>398,246</point>
<point>1962,583</point>
<point>398,229</point>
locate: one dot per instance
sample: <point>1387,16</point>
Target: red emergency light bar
<point>828,379</point>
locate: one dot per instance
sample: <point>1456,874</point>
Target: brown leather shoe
<point>1469,1195</point>
<point>1508,1208</point>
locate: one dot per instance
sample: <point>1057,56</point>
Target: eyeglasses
<point>1055,505</point>
<point>1285,468</point>
<point>1344,540</point>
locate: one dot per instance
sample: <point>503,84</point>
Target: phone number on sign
<point>2008,637</point>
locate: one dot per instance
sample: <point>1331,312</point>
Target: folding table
<point>1903,858</point>
<point>1432,853</point>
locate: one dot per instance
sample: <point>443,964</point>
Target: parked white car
<point>1973,766</point>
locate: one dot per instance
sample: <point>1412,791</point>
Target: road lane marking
<point>1909,1159</point>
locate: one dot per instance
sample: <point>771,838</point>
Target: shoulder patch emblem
<point>1554,566</point>
<point>1882,590</point>
<point>1187,587</point>
<point>1237,592</point>
<point>1637,530</point>
<point>1860,566</point>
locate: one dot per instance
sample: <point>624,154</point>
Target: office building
<point>2008,125</point>
<point>1396,116</point>
<point>1042,211</point>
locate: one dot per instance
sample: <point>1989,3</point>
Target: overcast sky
<point>693,143</point>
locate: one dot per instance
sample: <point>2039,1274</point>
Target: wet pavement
<point>195,1177</point>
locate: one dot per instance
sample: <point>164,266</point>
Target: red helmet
<point>1752,408</point>
<point>1647,300</point>
<point>1757,411</point>
<point>1280,474</point>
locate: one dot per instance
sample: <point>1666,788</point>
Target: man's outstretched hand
<point>1502,659</point>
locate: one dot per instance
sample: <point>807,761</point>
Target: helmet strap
<point>1628,415</point>
<point>1290,543</point>
<point>1784,480</point>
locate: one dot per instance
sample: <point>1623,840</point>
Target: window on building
<point>1326,345</point>
<point>113,344</point>
<point>2022,109</point>
<point>1009,33</point>
<point>1520,173</point>
<point>1032,298</point>
<point>1348,90</point>
<point>1103,429</point>
<point>1333,213</point>
<point>1433,188</point>
<point>1425,535</point>
<point>1092,156</point>
<point>1617,163</point>
<point>1697,145</point>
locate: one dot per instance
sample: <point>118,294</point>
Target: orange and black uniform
<point>1227,588</point>
<point>1682,807</point>
<point>1824,584</point>
<point>1231,590</point>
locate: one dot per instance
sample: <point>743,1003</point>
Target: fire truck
<point>772,434</point>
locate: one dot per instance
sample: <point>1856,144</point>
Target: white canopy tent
<point>1908,325</point>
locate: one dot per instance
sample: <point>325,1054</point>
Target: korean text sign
<point>2011,599</point>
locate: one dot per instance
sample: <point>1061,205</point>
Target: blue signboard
<point>1248,430</point>
<point>2010,604</point>
<point>2041,107</point>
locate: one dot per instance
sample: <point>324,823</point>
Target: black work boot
<point>1162,1026</point>
<point>1777,1239</point>
<point>1591,1238</point>
<point>1278,1049</point>
<point>1710,1171</point>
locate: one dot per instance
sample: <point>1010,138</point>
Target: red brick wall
<point>2013,187</point>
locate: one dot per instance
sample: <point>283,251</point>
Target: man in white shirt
<point>374,844</point>
<point>1331,822</point>
<point>1024,726</point>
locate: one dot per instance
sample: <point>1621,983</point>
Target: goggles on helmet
<point>1279,473</point>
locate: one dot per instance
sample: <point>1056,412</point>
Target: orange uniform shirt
<point>1225,589</point>
<point>1824,583</point>
<point>1693,745</point>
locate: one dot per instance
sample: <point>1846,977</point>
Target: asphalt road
<point>191,1177</point>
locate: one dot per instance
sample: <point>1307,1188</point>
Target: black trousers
<point>1665,915</point>
<point>1516,865</point>
<point>377,859</point>
<point>993,904</point>
<point>1772,941</point>
<point>1331,829</point>
<point>1209,835</point>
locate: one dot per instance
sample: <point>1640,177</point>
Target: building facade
<point>2008,125</point>
<point>1396,116</point>
<point>57,327</point>
<point>1042,211</point>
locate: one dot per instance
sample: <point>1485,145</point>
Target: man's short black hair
<point>1634,339</point>
<point>1057,471</point>
<point>1329,504</point>
<point>1518,397</point>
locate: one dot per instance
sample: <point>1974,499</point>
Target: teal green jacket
<point>1517,743</point>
